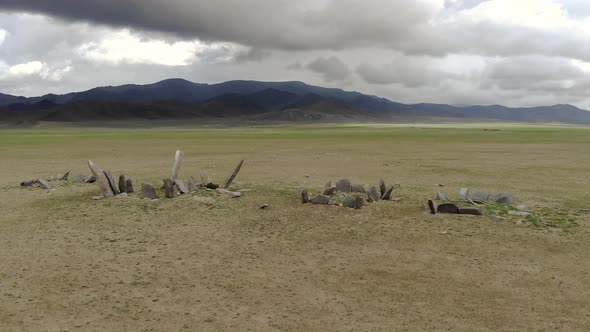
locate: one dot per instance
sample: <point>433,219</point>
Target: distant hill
<point>257,102</point>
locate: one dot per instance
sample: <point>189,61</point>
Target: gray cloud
<point>331,69</point>
<point>408,71</point>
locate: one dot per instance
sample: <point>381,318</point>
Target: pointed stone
<point>233,175</point>
<point>329,191</point>
<point>44,183</point>
<point>192,185</point>
<point>148,191</point>
<point>180,185</point>
<point>112,183</point>
<point>65,177</point>
<point>387,195</point>
<point>176,166</point>
<point>382,188</point>
<point>101,179</point>
<point>373,195</point>
<point>305,197</point>
<point>169,188</point>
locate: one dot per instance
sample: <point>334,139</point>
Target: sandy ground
<point>201,263</point>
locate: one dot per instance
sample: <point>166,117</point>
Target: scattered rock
<point>441,196</point>
<point>504,198</point>
<point>519,213</point>
<point>358,188</point>
<point>305,197</point>
<point>448,208</point>
<point>44,183</point>
<point>29,183</point>
<point>382,188</point>
<point>321,200</point>
<point>354,202</point>
<point>344,186</point>
<point>101,179</point>
<point>148,191</point>
<point>329,191</point>
<point>232,194</point>
<point>373,195</point>
<point>431,206</point>
<point>112,183</point>
<point>263,206</point>
<point>470,210</point>
<point>463,193</point>
<point>169,188</point>
<point>387,195</point>
<point>479,195</point>
<point>192,185</point>
<point>78,178</point>
<point>180,185</point>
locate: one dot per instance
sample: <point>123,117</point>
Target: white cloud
<point>2,36</point>
<point>26,69</point>
<point>33,68</point>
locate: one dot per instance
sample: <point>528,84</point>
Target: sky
<point>460,52</point>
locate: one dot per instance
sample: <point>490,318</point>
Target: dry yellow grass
<point>205,263</point>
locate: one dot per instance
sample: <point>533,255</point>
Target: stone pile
<point>44,183</point>
<point>350,194</point>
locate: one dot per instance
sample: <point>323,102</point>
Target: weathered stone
<point>344,186</point>
<point>232,194</point>
<point>441,196</point>
<point>470,210</point>
<point>504,198</point>
<point>321,200</point>
<point>431,206</point>
<point>112,183</point>
<point>101,179</point>
<point>382,188</point>
<point>387,195</point>
<point>28,183</point>
<point>129,184</point>
<point>192,185</point>
<point>463,193</point>
<point>176,166</point>
<point>148,191</point>
<point>479,195</point>
<point>180,185</point>
<point>373,195</point>
<point>122,184</point>
<point>169,188</point>
<point>305,197</point>
<point>233,175</point>
<point>90,179</point>
<point>447,208</point>
<point>44,183</point>
<point>329,191</point>
<point>78,178</point>
<point>358,188</point>
<point>354,202</point>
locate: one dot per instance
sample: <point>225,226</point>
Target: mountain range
<point>256,102</point>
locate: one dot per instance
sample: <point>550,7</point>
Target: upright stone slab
<point>382,188</point>
<point>479,195</point>
<point>305,197</point>
<point>358,188</point>
<point>504,198</point>
<point>181,186</point>
<point>431,207</point>
<point>101,179</point>
<point>192,185</point>
<point>112,183</point>
<point>44,183</point>
<point>123,183</point>
<point>169,188</point>
<point>148,191</point>
<point>129,185</point>
<point>387,195</point>
<point>344,186</point>
<point>233,175</point>
<point>448,208</point>
<point>176,167</point>
<point>373,195</point>
<point>463,193</point>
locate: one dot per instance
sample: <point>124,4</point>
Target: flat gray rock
<point>373,195</point>
<point>463,193</point>
<point>44,183</point>
<point>470,210</point>
<point>321,200</point>
<point>148,191</point>
<point>305,197</point>
<point>344,186</point>
<point>180,185</point>
<point>78,178</point>
<point>192,185</point>
<point>358,188</point>
<point>441,196</point>
<point>28,183</point>
<point>112,184</point>
<point>479,195</point>
<point>504,198</point>
<point>354,202</point>
<point>448,208</point>
<point>329,191</point>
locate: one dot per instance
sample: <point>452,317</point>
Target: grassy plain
<point>207,263</point>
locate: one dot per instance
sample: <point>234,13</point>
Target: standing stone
<point>441,196</point>
<point>101,179</point>
<point>176,166</point>
<point>123,183</point>
<point>112,183</point>
<point>329,191</point>
<point>344,186</point>
<point>180,185</point>
<point>64,177</point>
<point>129,185</point>
<point>29,183</point>
<point>321,200</point>
<point>79,178</point>
<point>382,188</point>
<point>148,191</point>
<point>233,175</point>
<point>387,195</point>
<point>353,202</point>
<point>169,188</point>
<point>471,211</point>
<point>463,193</point>
<point>192,185</point>
<point>305,197</point>
<point>479,195</point>
<point>448,208</point>
<point>373,195</point>
<point>358,188</point>
<point>504,198</point>
<point>44,183</point>
<point>431,206</point>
